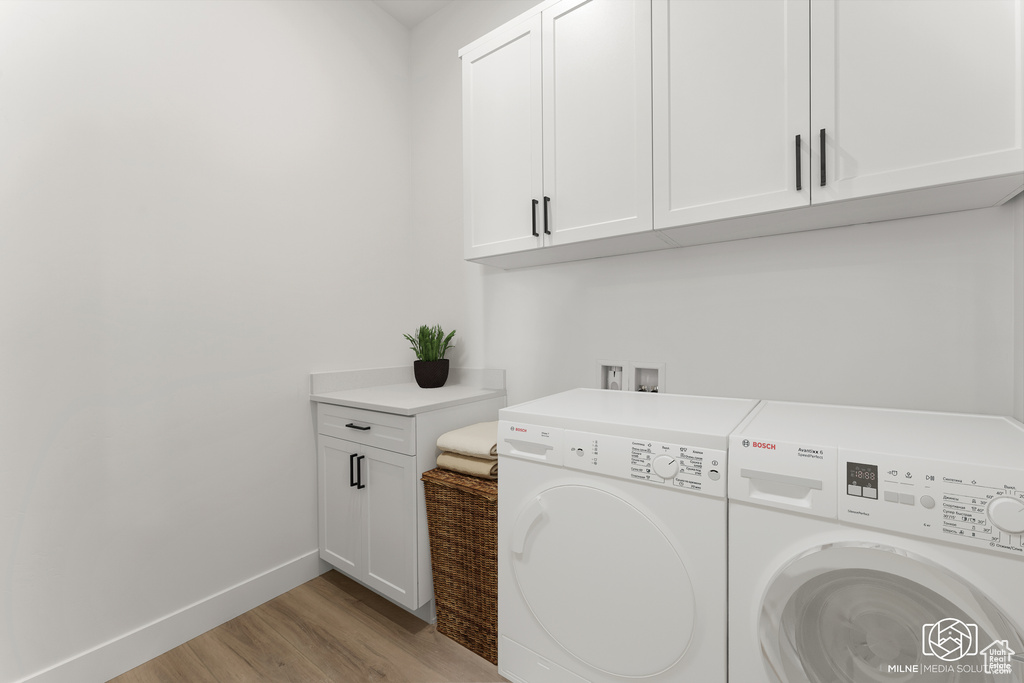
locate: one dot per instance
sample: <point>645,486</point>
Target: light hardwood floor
<point>328,629</point>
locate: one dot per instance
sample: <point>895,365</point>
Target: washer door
<point>866,613</point>
<point>603,580</point>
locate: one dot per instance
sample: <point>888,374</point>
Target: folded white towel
<point>465,464</point>
<point>478,441</point>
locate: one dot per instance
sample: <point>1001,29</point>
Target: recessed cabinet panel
<point>391,525</point>
<point>341,510</point>
<point>914,94</point>
<point>730,98</point>
<point>502,141</point>
<point>597,118</point>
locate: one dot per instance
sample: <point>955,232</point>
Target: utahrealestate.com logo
<point>951,640</point>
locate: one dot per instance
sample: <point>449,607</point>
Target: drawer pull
<point>799,175</point>
<point>821,144</point>
<point>355,426</point>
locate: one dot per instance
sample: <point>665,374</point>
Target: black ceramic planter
<point>430,374</point>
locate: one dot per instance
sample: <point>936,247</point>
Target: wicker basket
<point>462,517</point>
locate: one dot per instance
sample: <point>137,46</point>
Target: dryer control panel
<point>676,466</point>
<point>962,503</point>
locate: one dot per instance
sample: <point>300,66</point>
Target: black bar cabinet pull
<point>547,200</point>
<point>352,469</point>
<point>533,215</point>
<point>355,426</point>
<point>799,174</point>
<point>359,472</point>
<point>821,151</point>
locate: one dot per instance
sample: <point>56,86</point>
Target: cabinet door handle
<point>547,201</point>
<point>355,426</point>
<point>533,216</point>
<point>352,469</point>
<point>359,472</point>
<point>799,173</point>
<point>821,151</point>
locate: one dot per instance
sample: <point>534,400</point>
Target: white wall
<point>912,314</point>
<point>452,293</point>
<point>917,313</point>
<point>200,204</point>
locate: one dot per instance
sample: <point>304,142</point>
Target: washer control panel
<point>962,503</point>
<point>675,466</point>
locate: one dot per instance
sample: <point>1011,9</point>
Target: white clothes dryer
<point>612,537</point>
<point>870,546</point>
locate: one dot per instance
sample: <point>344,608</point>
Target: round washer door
<point>603,580</point>
<point>867,613</point>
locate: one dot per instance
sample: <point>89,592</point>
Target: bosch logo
<point>746,443</point>
<point>518,429</point>
<point>761,444</point>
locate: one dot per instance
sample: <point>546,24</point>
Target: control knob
<point>1007,514</point>
<point>665,466</point>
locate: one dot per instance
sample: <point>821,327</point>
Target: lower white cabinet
<point>368,516</point>
<point>371,505</point>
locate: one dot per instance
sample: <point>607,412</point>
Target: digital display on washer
<point>862,480</point>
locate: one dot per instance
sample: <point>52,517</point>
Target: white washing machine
<point>611,537</point>
<point>872,545</point>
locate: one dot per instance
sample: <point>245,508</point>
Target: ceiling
<point>411,12</point>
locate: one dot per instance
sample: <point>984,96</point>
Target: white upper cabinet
<point>731,108</point>
<point>557,128</point>
<point>758,117</point>
<point>597,119</point>
<point>914,94</point>
<point>501,128</point>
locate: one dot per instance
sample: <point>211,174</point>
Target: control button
<point>853,490</point>
<point>714,475</point>
<point>907,498</point>
<point>927,502</point>
<point>1007,514</point>
<point>892,497</point>
<point>870,493</point>
<point>665,466</point>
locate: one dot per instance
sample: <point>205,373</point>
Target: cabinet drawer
<point>383,430</point>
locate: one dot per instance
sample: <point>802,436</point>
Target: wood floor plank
<point>174,666</point>
<point>404,632</point>
<point>330,629</point>
<point>247,649</point>
<point>338,640</point>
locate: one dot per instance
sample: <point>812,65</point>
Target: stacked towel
<point>471,450</point>
<point>477,441</point>
<point>464,464</point>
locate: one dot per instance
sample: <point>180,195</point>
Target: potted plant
<point>430,344</point>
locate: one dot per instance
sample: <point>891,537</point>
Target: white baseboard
<point>121,654</point>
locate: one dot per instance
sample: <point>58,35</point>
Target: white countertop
<point>407,399</point>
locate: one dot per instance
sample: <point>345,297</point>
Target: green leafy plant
<point>430,343</point>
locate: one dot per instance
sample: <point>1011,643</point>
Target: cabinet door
<point>390,546</point>
<point>914,94</point>
<point>501,128</point>
<point>731,96</point>
<point>340,505</point>
<point>597,118</point>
